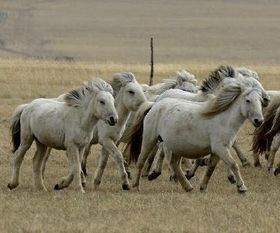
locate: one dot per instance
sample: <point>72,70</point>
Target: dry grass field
<point>161,206</point>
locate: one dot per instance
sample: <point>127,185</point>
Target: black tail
<point>263,135</point>
<point>15,127</point>
<point>134,136</point>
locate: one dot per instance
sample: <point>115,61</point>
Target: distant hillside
<point>119,30</point>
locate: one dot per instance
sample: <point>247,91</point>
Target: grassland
<point>161,206</point>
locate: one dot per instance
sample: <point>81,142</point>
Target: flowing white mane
<point>76,97</point>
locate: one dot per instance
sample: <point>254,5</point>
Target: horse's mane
<point>264,134</point>
<point>185,76</point>
<point>121,79</point>
<point>210,84</point>
<point>75,97</point>
<point>245,72</point>
<point>223,100</point>
<point>182,76</point>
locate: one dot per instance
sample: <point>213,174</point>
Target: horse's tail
<point>264,134</point>
<point>275,129</point>
<point>15,126</point>
<point>134,135</point>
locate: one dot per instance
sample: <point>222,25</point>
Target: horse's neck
<point>88,119</point>
<point>123,112</point>
<point>232,117</point>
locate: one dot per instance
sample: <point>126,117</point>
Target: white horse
<point>194,130</point>
<point>128,96</point>
<point>61,125</point>
<point>219,77</point>
<point>184,81</point>
<point>267,137</point>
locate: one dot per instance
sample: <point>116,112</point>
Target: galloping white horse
<point>207,91</point>
<point>61,125</point>
<point>179,124</point>
<point>128,96</point>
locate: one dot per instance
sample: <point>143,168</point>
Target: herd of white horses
<point>177,121</point>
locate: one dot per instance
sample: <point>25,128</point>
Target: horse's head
<point>103,104</point>
<point>186,81</point>
<point>251,105</point>
<point>129,90</point>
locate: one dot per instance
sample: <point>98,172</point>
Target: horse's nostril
<point>258,122</point>
<point>112,119</point>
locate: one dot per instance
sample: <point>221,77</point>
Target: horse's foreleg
<point>102,162</point>
<point>214,159</point>
<point>240,155</point>
<point>176,165</point>
<point>18,158</point>
<point>73,154</point>
<point>113,150</point>
<point>224,154</point>
<point>37,166</point>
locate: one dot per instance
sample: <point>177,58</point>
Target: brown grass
<point>161,206</point>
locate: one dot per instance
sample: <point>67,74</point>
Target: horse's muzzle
<point>257,122</point>
<point>112,121</point>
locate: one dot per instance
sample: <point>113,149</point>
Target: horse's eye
<point>102,102</point>
<point>248,101</point>
<point>131,92</point>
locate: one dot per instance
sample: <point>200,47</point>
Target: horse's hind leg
<point>176,165</point>
<point>149,162</point>
<point>214,159</point>
<point>102,162</point>
<point>84,159</point>
<point>25,144</point>
<point>45,159</point>
<point>240,155</point>
<point>256,160</point>
<point>273,149</point>
<point>37,166</point>
<point>157,163</point>
<point>113,150</point>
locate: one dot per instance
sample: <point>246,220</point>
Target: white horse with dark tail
<point>179,124</point>
<point>64,125</point>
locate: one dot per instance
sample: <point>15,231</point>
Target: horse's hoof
<point>231,179</point>
<point>242,189</point>
<point>189,175</point>
<point>173,178</point>
<point>246,164</point>
<point>277,171</point>
<point>189,189</point>
<point>57,187</point>
<point>85,172</point>
<point>11,186</point>
<point>125,187</point>
<point>203,189</point>
<point>128,175</point>
<point>154,175</point>
<point>257,164</point>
